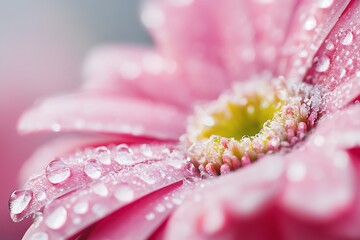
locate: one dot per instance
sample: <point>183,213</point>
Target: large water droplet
<point>93,169</point>
<point>322,64</point>
<point>146,151</point>
<point>348,39</point>
<point>19,201</point>
<point>103,155</point>
<point>57,218</point>
<point>123,154</point>
<point>296,172</point>
<point>57,171</point>
<point>39,236</point>
<point>324,3</point>
<point>100,189</point>
<point>124,194</point>
<point>81,207</point>
<point>310,23</point>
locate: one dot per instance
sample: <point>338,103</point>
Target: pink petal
<point>141,219</point>
<point>313,175</point>
<point>59,147</point>
<point>227,206</point>
<point>218,42</point>
<point>137,72</point>
<point>93,165</point>
<point>311,23</point>
<point>87,112</point>
<point>151,168</point>
<point>340,130</point>
<point>337,61</point>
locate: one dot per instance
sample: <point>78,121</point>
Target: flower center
<point>244,125</point>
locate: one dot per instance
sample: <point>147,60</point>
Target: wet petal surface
<point>85,112</point>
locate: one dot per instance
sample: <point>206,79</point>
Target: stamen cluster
<point>283,114</point>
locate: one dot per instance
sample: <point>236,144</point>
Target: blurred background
<point>42,47</point>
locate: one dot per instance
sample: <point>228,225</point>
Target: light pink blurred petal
<point>313,174</point>
<point>337,60</point>
<point>215,44</point>
<point>311,23</point>
<point>136,72</point>
<point>90,112</point>
<point>230,206</point>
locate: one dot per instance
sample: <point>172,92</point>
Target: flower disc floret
<point>244,125</point>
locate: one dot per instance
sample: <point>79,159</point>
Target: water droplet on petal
<point>145,150</point>
<point>160,208</point>
<point>296,172</point>
<point>57,218</point>
<point>150,216</point>
<point>19,201</point>
<point>124,194</point>
<point>39,236</point>
<point>93,169</point>
<point>123,155</point>
<point>103,155</point>
<point>322,64</point>
<point>57,171</point>
<point>310,23</point>
<point>100,209</point>
<point>40,196</point>
<point>100,189</point>
<point>330,46</point>
<point>348,39</point>
<point>324,3</point>
<point>81,207</point>
<point>147,178</point>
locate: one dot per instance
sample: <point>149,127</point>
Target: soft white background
<point>42,46</point>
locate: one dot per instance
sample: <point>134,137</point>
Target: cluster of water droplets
<point>105,178</point>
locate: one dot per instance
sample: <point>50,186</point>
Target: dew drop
<point>124,194</point>
<point>57,171</point>
<point>296,172</point>
<point>57,218</point>
<point>357,73</point>
<point>160,208</point>
<point>348,39</point>
<point>342,72</point>
<point>81,207</point>
<point>322,64</point>
<point>100,189</point>
<point>93,169</point>
<point>39,236</point>
<point>20,200</point>
<point>100,210</point>
<point>324,3</point>
<point>310,23</point>
<point>150,216</point>
<point>123,154</point>
<point>40,196</point>
<point>146,151</point>
<point>103,155</point>
<point>147,178</point>
<point>330,46</point>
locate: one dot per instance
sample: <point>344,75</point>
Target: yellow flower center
<point>244,125</point>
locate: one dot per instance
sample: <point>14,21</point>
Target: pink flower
<point>138,180</point>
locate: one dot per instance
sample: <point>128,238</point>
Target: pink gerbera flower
<point>276,156</point>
